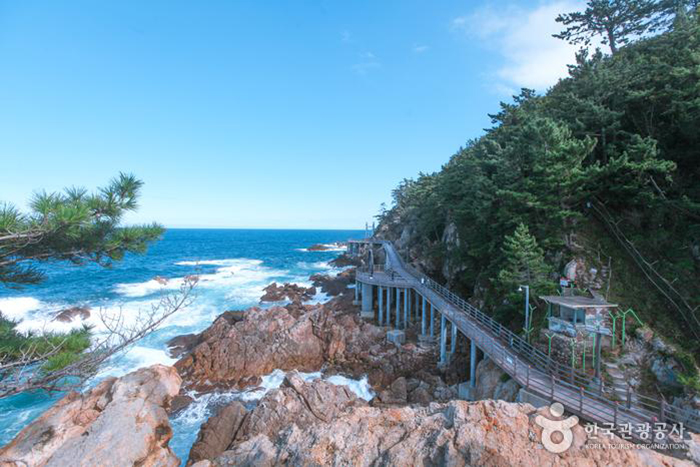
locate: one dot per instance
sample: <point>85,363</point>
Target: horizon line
<point>262,228</point>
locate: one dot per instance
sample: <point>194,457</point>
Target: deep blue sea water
<point>234,266</point>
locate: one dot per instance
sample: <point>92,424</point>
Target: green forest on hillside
<point>618,141</point>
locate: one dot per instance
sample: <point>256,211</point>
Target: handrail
<point>502,345</point>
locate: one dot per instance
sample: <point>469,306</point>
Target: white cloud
<point>419,49</point>
<point>368,61</point>
<point>523,38</point>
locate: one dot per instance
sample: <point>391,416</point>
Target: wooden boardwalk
<point>577,391</point>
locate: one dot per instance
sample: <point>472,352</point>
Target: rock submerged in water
<point>318,247</point>
<point>335,285</point>
<point>291,292</point>
<point>68,315</point>
<point>121,421</point>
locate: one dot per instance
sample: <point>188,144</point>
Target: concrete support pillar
<point>453,341</point>
<point>472,365</point>
<point>443,339</point>
<point>388,306</point>
<point>422,319</point>
<point>357,291</point>
<point>432,321</point>
<point>367,301</point>
<point>408,305</point>
<point>405,308</point>
<point>380,291</point>
<point>398,308</point>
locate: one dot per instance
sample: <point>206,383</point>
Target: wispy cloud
<point>419,49</point>
<point>523,38</point>
<point>368,61</point>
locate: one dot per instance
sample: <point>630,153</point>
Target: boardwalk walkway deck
<point>578,391</point>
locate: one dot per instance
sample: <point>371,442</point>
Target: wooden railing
<point>577,390</point>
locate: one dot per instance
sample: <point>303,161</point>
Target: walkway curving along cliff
<point>534,370</point>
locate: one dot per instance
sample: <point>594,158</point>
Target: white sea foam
<point>237,272</point>
<point>191,418</point>
<point>137,357</point>
<point>315,266</point>
<point>19,307</point>
<point>219,262</point>
<point>361,388</point>
<point>328,247</point>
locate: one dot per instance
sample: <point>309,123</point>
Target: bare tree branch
<point>27,372</point>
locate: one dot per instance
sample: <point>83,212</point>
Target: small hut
<point>572,315</point>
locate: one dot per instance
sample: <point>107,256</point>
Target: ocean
<point>234,266</point>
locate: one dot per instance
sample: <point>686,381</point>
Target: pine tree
<point>616,21</point>
<point>524,262</point>
<point>72,226</point>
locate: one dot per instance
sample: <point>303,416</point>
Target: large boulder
<point>286,338</point>
<point>459,433</point>
<point>119,422</point>
<point>216,434</point>
<point>494,383</point>
<point>295,403</point>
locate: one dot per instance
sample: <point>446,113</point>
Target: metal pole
<point>422,321</point>
<point>432,322</point>
<point>527,313</point>
<point>599,338</point>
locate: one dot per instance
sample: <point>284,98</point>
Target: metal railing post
<point>527,378</point>
<point>551,395</point>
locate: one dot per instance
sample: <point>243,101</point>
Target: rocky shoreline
<point>414,419</point>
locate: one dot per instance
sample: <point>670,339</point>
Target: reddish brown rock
<point>119,422</point>
<point>490,433</point>
<point>294,403</point>
<point>216,434</point>
<point>291,292</point>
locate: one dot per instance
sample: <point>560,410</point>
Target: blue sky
<point>258,114</point>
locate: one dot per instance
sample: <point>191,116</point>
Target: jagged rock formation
<point>291,292</point>
<point>294,403</point>
<point>458,433</point>
<point>301,337</point>
<point>287,338</point>
<point>334,285</point>
<point>119,422</point>
<point>68,315</point>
